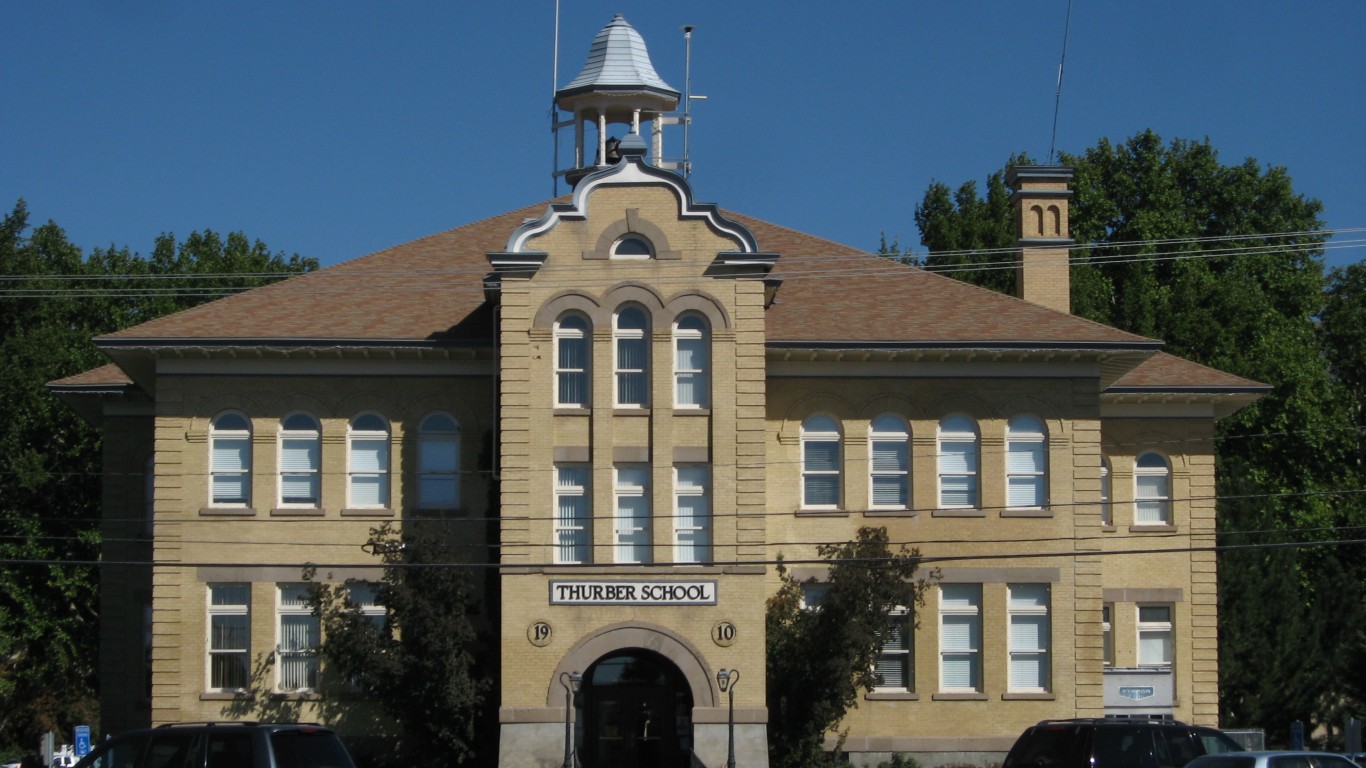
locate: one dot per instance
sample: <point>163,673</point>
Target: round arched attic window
<point>633,246</point>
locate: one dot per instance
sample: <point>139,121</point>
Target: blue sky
<point>335,129</point>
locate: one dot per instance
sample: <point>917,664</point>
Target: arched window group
<point>299,454</point>
<point>631,360</point>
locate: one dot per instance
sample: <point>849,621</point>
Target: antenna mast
<point>687,99</point>
<point>1057,97</point>
<point>555,108</point>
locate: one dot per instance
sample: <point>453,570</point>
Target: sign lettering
<point>633,593</point>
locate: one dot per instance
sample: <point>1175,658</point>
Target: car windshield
<point>1217,742</point>
<point>309,749</point>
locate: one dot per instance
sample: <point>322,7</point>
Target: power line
<point>789,268</point>
<point>578,568</point>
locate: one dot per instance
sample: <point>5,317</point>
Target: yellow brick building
<point>660,397</point>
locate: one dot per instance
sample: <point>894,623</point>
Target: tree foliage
<point>820,658</point>
<point>425,665</point>
<point>53,300</point>
<point>1224,264</point>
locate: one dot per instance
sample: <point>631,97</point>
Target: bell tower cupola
<point>618,84</point>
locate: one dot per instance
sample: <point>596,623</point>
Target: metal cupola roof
<point>619,66</point>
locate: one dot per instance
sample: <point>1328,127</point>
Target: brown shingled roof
<point>431,290</point>
<point>427,290</point>
<point>1165,372</point>
<point>833,293</point>
<point>109,375</point>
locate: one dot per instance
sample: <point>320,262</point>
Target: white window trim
<point>583,526</point>
<point>703,544</point>
<point>702,375</point>
<point>316,437</point>
<point>906,654</point>
<point>234,609</point>
<point>216,434</point>
<point>1016,610</point>
<point>1107,634</point>
<point>1020,437</point>
<point>973,473</point>
<point>822,436</point>
<point>1167,627</point>
<point>619,335</point>
<point>383,474</point>
<point>1107,507</point>
<point>427,437</point>
<point>902,436</point>
<point>974,651</point>
<point>616,253</point>
<point>631,538</point>
<point>1164,501</point>
<point>308,655</point>
<point>584,335</point>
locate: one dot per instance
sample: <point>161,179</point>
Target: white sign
<point>633,593</point>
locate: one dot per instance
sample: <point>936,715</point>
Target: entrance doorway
<point>637,712</point>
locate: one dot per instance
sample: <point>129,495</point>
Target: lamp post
<point>726,679</point>
<point>571,682</point>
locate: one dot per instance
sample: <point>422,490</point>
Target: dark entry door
<point>637,713</point>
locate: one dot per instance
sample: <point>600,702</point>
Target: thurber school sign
<point>633,593</point>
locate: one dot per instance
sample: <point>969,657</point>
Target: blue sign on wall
<point>82,740</point>
<point>1137,692</point>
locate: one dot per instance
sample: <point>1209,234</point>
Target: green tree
<point>1224,264</point>
<point>425,665</point>
<point>819,658</point>
<point>969,237</point>
<point>53,300</point>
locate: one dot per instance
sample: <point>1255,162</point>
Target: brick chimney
<point>1041,197</point>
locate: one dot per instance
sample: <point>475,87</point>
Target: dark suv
<point>1115,742</point>
<point>222,745</point>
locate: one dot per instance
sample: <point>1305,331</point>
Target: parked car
<point>1115,742</point>
<point>1274,759</point>
<point>222,745</point>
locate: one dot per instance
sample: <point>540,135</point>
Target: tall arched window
<point>572,356</point>
<point>367,451</point>
<point>438,462</point>
<point>230,460</point>
<point>1026,463</point>
<point>1152,490</point>
<point>821,462</point>
<point>889,463</point>
<point>692,361</point>
<point>958,462</point>
<point>631,338</point>
<point>300,460</point>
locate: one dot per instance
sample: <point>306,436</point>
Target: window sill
<point>298,512</point>
<point>959,697</point>
<point>368,512</point>
<point>295,696</point>
<point>1040,696</point>
<point>959,512</point>
<point>627,411</point>
<point>227,512</point>
<point>678,411</point>
<point>1029,512</point>
<point>573,410</point>
<point>832,512</point>
<point>891,513</point>
<point>1110,528</point>
<point>1152,528</point>
<point>226,696</point>
<point>891,696</point>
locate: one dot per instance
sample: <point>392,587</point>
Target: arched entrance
<point>637,711</point>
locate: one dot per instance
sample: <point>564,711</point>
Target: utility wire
<point>580,568</point>
<point>789,268</point>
